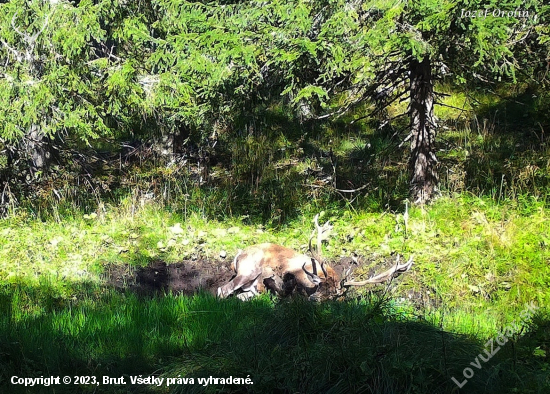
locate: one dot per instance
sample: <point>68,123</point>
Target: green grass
<point>295,346</point>
<point>477,263</point>
<point>482,252</point>
<point>469,252</point>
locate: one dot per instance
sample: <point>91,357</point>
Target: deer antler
<point>393,272</point>
<point>322,233</point>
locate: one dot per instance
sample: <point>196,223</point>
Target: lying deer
<point>284,271</point>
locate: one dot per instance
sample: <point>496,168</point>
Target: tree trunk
<point>39,150</point>
<point>422,164</point>
<point>31,155</point>
<point>172,143</point>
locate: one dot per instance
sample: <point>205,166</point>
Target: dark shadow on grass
<point>290,346</point>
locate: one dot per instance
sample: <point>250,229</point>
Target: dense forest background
<point>223,92</point>
<point>139,137</point>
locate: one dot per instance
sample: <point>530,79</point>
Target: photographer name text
<point>497,13</point>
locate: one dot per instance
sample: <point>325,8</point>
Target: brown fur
<point>280,270</point>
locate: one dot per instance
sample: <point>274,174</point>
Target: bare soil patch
<point>186,277</point>
<point>189,277</point>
